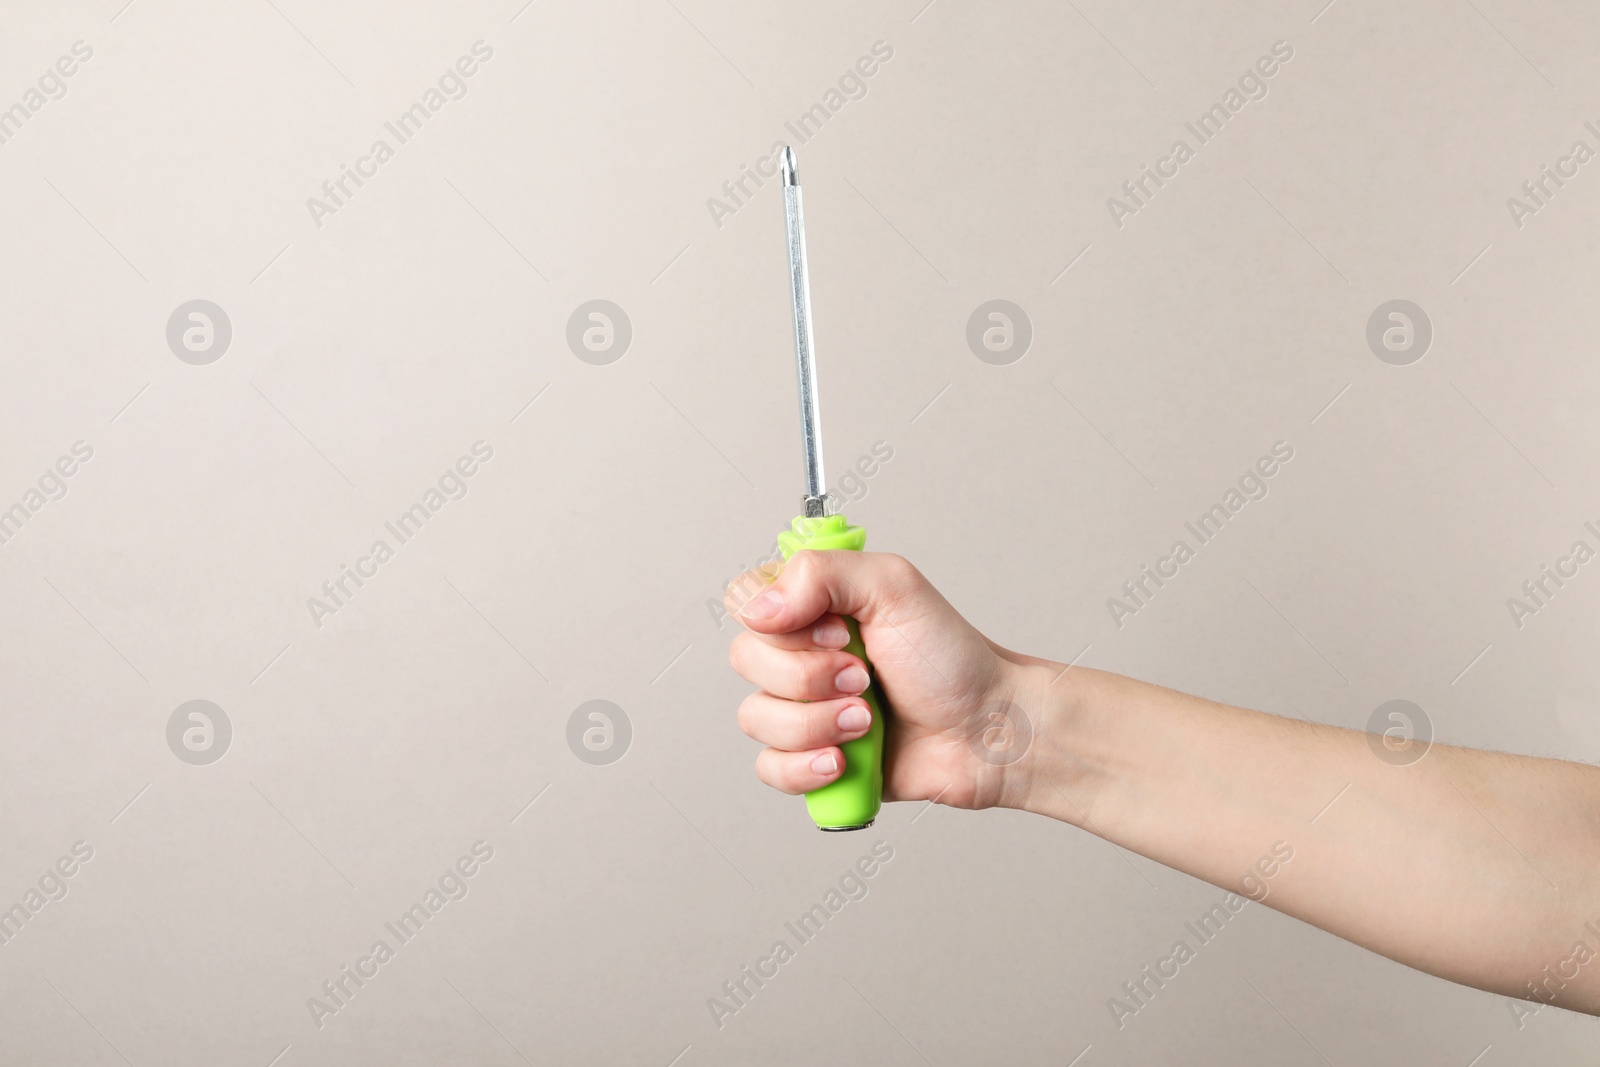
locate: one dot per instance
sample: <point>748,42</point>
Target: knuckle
<point>900,576</point>
<point>805,566</point>
<point>738,593</point>
<point>801,726</point>
<point>749,712</point>
<point>901,570</point>
<point>799,677</point>
<point>739,654</point>
<point>769,770</point>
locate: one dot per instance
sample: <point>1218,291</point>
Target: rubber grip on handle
<point>851,801</point>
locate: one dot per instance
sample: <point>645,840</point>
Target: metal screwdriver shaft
<point>816,501</point>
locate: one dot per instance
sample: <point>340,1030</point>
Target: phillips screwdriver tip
<point>791,175</point>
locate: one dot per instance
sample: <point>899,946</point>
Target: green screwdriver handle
<point>851,801</point>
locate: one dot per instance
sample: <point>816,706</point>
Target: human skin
<point>1401,857</point>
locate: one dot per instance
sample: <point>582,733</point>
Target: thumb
<point>816,583</point>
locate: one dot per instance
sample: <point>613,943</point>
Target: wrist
<point>1058,774</point>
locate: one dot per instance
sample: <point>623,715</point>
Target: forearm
<point>1475,866</point>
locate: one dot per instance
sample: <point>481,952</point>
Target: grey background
<point>369,354</point>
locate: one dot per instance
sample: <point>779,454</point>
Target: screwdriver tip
<point>791,174</point>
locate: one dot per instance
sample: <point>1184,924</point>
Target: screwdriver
<point>851,801</point>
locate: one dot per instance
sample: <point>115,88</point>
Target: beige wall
<point>372,743</point>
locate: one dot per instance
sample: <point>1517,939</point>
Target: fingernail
<point>851,680</point>
<point>826,763</point>
<point>764,605</point>
<point>830,635</point>
<point>854,717</point>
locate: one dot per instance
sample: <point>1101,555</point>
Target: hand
<point>950,690</point>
